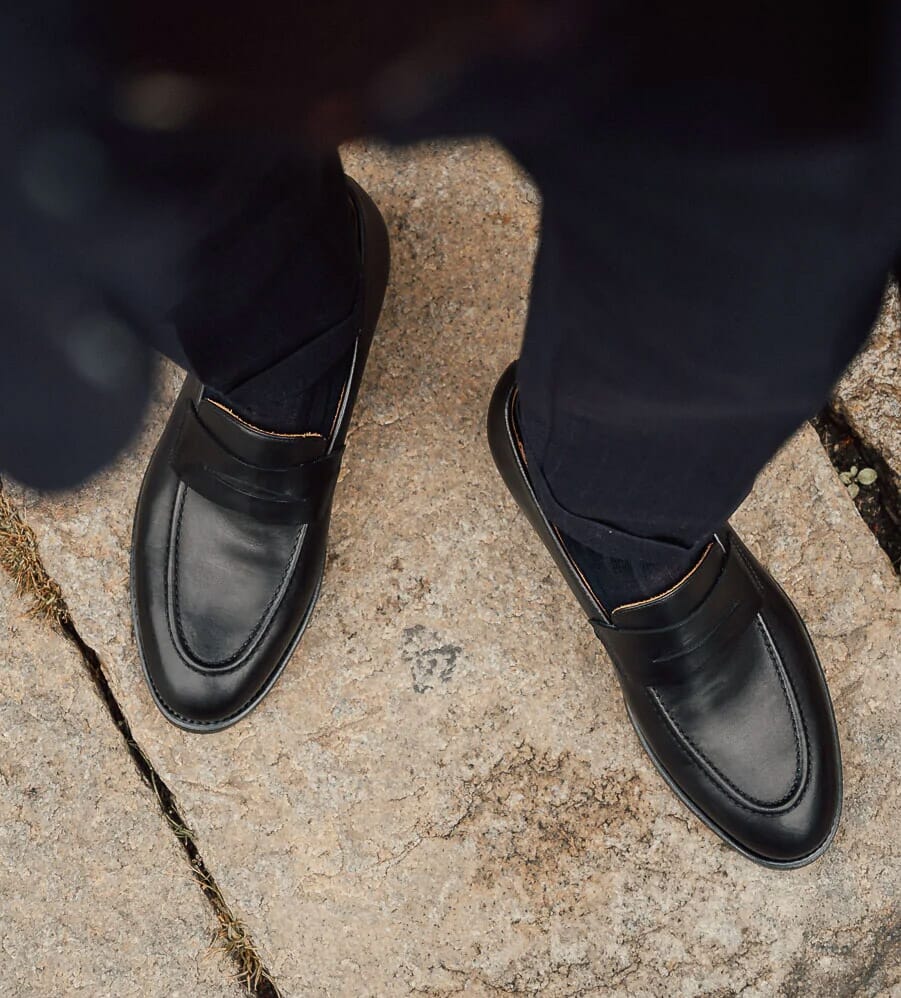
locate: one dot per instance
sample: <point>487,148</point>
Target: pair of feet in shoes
<point>719,676</point>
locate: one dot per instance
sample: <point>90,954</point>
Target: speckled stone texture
<point>95,897</point>
<point>443,795</point>
<point>869,395</point>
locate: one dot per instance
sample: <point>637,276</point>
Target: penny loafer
<point>230,532</point>
<point>721,683</point>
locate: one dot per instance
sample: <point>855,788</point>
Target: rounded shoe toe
<point>802,829</point>
<point>198,700</point>
<point>800,836</point>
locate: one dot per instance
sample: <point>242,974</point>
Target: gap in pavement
<point>20,558</point>
<point>879,504</point>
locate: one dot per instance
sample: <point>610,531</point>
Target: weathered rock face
<point>869,395</point>
<point>442,794</point>
<point>95,897</point>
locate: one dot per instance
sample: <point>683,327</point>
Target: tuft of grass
<point>233,939</point>
<point>19,558</point>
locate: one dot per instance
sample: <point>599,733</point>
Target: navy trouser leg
<point>276,265</point>
<point>689,309</point>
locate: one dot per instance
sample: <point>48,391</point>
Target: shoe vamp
<point>737,715</point>
<point>229,571</point>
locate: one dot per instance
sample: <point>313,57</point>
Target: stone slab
<point>95,897</point>
<point>442,795</point>
<point>869,395</point>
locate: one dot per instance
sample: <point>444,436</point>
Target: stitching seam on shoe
<point>192,720</point>
<point>225,665</point>
<point>694,763</point>
<point>796,783</point>
<point>787,678</point>
<point>777,658</point>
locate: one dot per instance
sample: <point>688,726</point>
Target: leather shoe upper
<point>230,534</point>
<point>720,680</point>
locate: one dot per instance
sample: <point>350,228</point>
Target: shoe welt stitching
<point>191,720</point>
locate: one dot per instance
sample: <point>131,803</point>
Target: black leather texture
<point>230,533</point>
<point>720,680</point>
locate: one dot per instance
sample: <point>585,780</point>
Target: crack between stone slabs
<point>879,504</point>
<point>20,559</point>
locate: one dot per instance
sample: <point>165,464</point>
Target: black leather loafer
<point>229,541</point>
<point>721,683</point>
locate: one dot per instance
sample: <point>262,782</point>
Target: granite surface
<point>442,795</point>
<point>95,896</point>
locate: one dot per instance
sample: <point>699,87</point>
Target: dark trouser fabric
<point>712,256</point>
<point>688,311</point>
<point>721,202</point>
<point>277,266</point>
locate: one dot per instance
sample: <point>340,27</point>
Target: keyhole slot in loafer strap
<point>296,494</point>
<point>674,654</point>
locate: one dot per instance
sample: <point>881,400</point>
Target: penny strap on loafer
<point>674,654</point>
<point>295,494</point>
